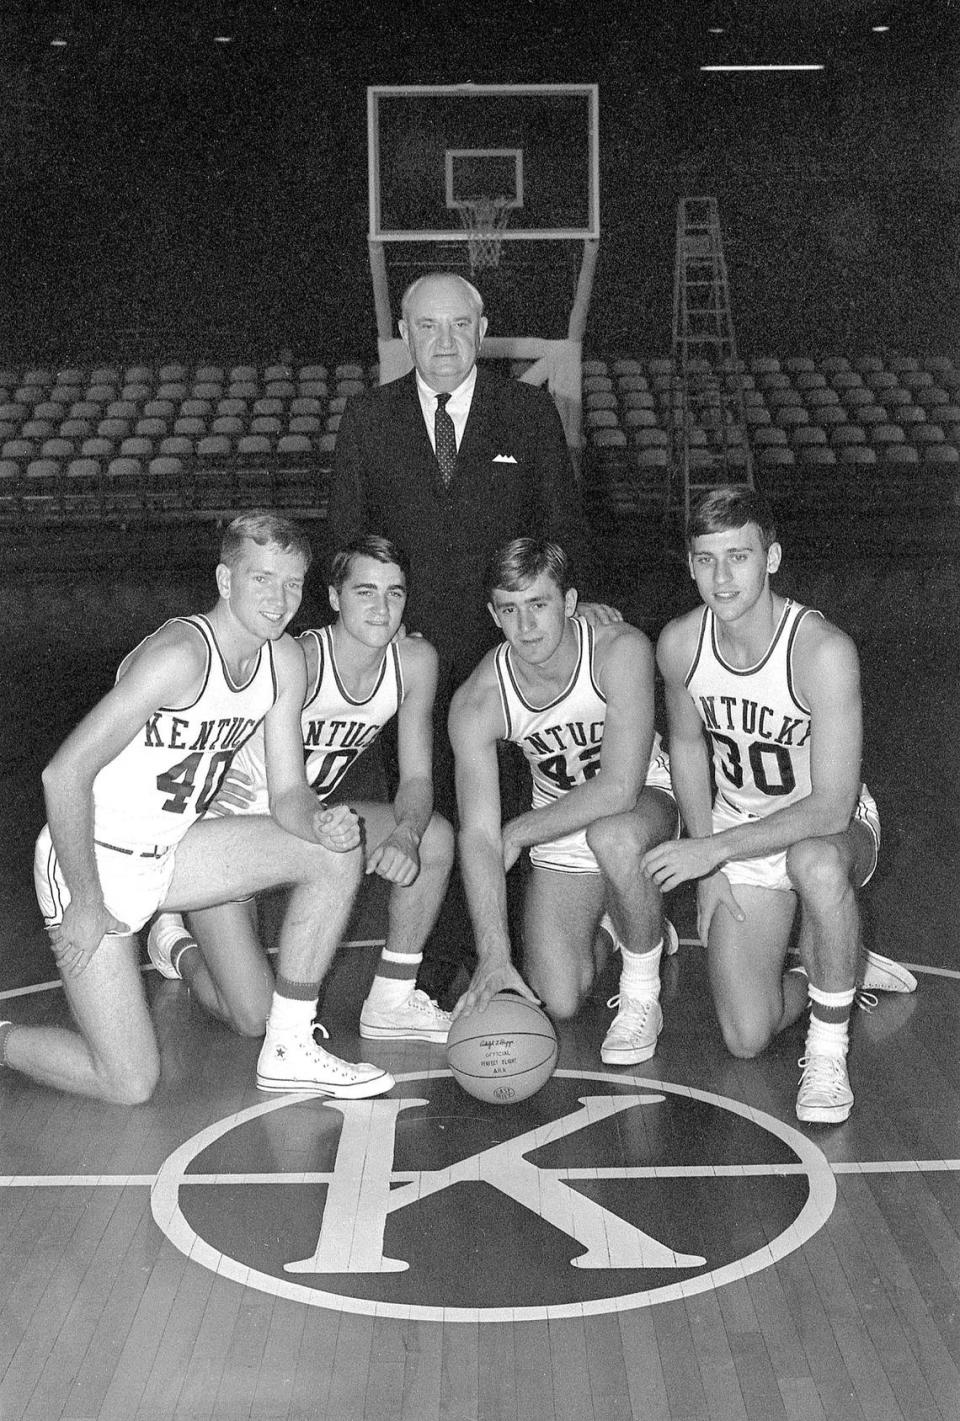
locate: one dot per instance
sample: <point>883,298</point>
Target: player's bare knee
<point>323,866</point>
<point>133,1084</point>
<point>248,1020</point>
<point>817,869</point>
<point>745,1040</point>
<point>618,843</point>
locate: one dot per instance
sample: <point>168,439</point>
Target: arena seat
<point>178,446</point>
<point>767,435</point>
<point>171,372</point>
<point>807,435</point>
<point>845,434</point>
<point>213,374</point>
<point>647,438</point>
<point>772,456</point>
<point>20,449</point>
<point>57,447</point>
<point>927,434</point>
<point>897,454</point>
<point>867,363</point>
<point>193,425</point>
<point>856,454</point>
<point>243,390</point>
<point>908,414</point>
<point>71,428</point>
<point>136,391</point>
<point>881,434</point>
<point>898,363</point>
<point>820,397</point>
<point>230,405</point>
<point>600,400</point>
<point>312,373</point>
<point>304,424</point>
<point>230,424</point>
<point>268,424</point>
<point>36,429</point>
<point>625,367</point>
<point>856,395</point>
<point>158,409</point>
<point>314,389</point>
<point>206,390</point>
<point>193,408</point>
<point>243,374</point>
<point>98,446</point>
<point>280,389</point>
<point>835,364</point>
<point>175,390</point>
<point>941,454</point>
<point>267,404</point>
<point>816,456</point>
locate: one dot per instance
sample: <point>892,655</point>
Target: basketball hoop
<point>484,218</point>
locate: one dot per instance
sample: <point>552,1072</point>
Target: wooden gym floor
<point>738,1265</point>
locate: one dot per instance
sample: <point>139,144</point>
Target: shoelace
<point>821,1070</point>
<point>636,1006</point>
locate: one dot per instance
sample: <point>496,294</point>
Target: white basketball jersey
<point>165,778</point>
<point>758,725</point>
<point>336,727</point>
<point>562,740</point>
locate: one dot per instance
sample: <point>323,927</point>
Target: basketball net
<point>484,218</point>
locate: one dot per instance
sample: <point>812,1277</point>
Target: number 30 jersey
<point>165,778</point>
<point>757,723</point>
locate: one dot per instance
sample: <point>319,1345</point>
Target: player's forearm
<point>295,810</point>
<point>690,779</point>
<point>413,805</point>
<point>583,805</point>
<point>484,882</point>
<point>69,807</point>
<point>810,818</point>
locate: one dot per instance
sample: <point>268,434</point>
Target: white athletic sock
<point>829,1038</point>
<point>640,973</point>
<point>291,1013</point>
<point>395,979</point>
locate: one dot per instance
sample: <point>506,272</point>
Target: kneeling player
<point>777,690</point>
<point>357,680</point>
<point>578,700</point>
<point>126,797</point>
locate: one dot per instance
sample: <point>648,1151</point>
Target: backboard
<point>433,146</point>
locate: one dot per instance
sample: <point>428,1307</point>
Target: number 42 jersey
<point>562,743</point>
<point>165,778</point>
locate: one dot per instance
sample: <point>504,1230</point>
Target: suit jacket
<point>513,477</point>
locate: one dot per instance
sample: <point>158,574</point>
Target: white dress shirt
<point>458,405</point>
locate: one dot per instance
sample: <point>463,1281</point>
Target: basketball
<point>503,1054</point>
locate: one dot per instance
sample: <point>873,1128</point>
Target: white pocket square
<point>504,459</point>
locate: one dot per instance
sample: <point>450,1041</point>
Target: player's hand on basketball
<point>397,858</point>
<point>489,979</point>
<point>680,860</point>
<point>598,614</point>
<point>714,893</point>
<point>235,793</point>
<point>76,939</point>
<point>337,829</point>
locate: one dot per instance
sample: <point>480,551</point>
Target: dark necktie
<point>445,439</point>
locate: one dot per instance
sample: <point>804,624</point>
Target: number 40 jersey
<point>165,778</point>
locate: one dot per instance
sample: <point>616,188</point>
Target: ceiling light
<point>760,68</point>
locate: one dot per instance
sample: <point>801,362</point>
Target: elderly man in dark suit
<point>450,462</point>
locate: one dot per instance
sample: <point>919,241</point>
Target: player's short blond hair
<point>266,529</point>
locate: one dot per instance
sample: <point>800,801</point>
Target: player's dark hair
<point>266,530</point>
<point>520,561</point>
<point>731,506</point>
<point>369,545</point>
